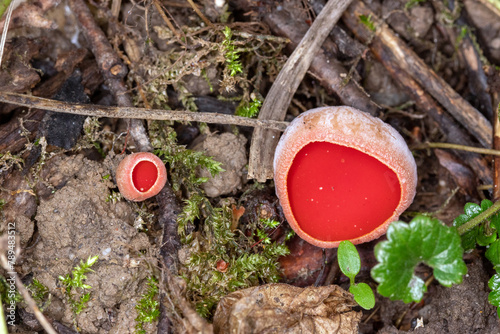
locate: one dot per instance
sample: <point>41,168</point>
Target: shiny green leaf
<point>493,253</point>
<point>423,240</point>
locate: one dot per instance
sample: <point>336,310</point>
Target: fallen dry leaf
<point>283,308</point>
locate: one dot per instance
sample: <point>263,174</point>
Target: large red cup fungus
<point>140,176</point>
<point>341,174</point>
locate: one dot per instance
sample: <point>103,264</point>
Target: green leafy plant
<point>232,57</point>
<point>74,281</point>
<point>423,240</point>
<point>249,109</point>
<point>480,224</point>
<point>148,308</point>
<point>473,226</point>
<point>350,265</point>
<point>427,240</point>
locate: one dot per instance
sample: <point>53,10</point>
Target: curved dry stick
<point>136,113</point>
<point>278,99</point>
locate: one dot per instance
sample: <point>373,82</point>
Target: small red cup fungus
<point>341,174</point>
<point>140,176</point>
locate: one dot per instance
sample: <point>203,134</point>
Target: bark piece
<point>20,76</point>
<point>408,61</point>
<point>462,175</point>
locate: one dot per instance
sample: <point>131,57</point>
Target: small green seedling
<point>350,264</point>
<point>75,281</point>
<point>148,308</point>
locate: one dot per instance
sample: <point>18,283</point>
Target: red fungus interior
<point>339,193</point>
<point>144,175</point>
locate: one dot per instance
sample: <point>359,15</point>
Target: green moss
<point>75,287</point>
<point>249,258</point>
<point>246,258</point>
<point>249,109</point>
<point>182,162</point>
<point>148,308</point>
<point>40,294</point>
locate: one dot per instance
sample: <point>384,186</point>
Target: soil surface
<point>57,181</point>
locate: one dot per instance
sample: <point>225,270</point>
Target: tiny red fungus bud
<point>341,174</point>
<point>140,176</point>
<point>222,266</point>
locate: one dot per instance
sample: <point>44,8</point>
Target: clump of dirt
<point>77,221</point>
<point>230,150</point>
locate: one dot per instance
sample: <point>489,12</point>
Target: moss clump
<point>220,258</point>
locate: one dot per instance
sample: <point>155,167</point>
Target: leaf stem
<point>479,218</point>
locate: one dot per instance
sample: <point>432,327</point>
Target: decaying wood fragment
<point>31,15</point>
<point>462,175</point>
<point>408,61</point>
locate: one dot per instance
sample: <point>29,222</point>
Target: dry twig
<point>137,113</point>
<point>20,286</point>
<point>278,99</point>
<point>111,67</point>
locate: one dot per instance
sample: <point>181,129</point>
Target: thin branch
<point>136,113</point>
<point>200,14</point>
<point>479,150</point>
<point>20,286</point>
